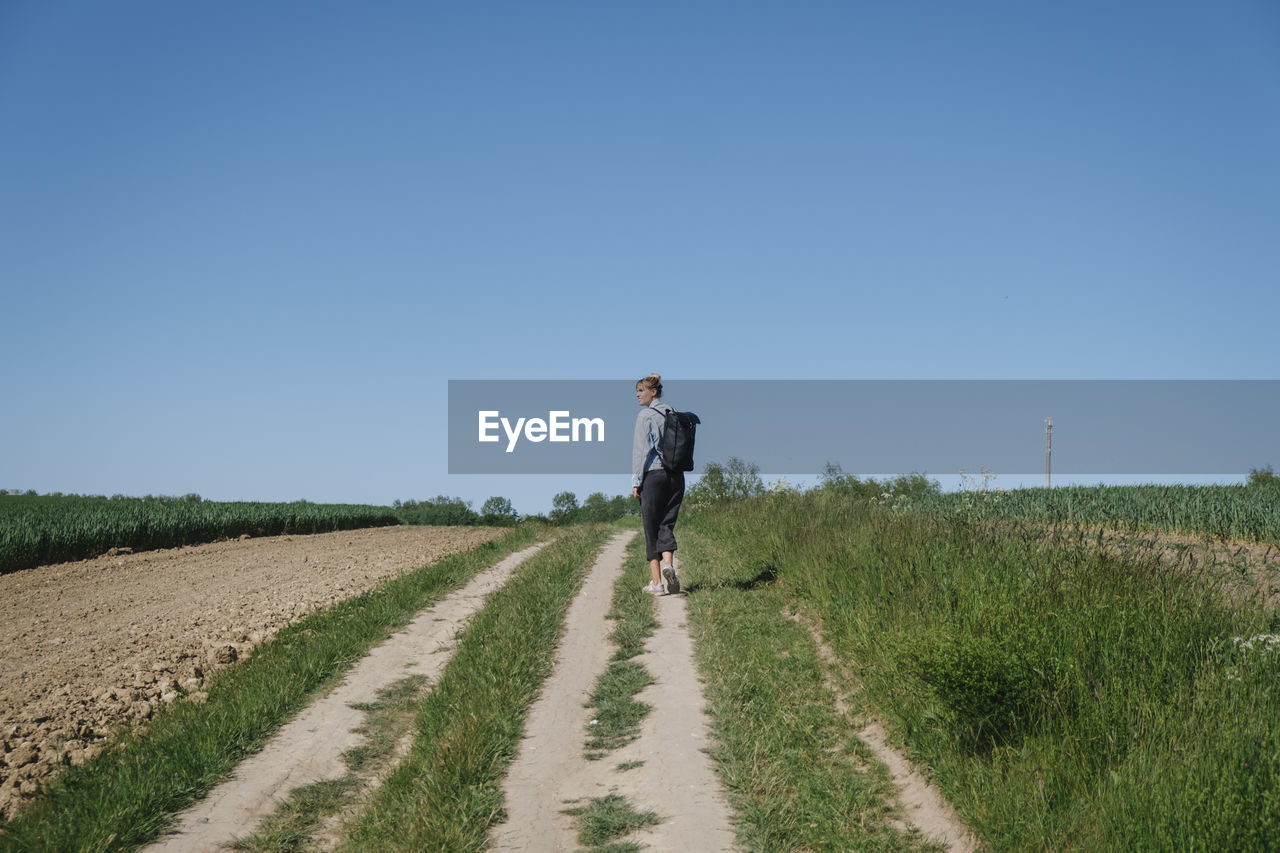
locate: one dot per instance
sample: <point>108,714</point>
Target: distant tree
<point>834,479</point>
<point>623,505</point>
<point>710,487</point>
<point>911,485</point>
<point>742,479</point>
<point>437,510</point>
<point>564,507</point>
<point>596,508</point>
<point>498,510</point>
<point>734,480</point>
<point>1263,477</point>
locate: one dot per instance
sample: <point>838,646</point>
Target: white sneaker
<point>672,579</point>
<point>654,589</point>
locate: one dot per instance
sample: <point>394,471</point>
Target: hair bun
<point>653,382</point>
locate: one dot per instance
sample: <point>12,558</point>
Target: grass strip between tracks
<point>606,819</point>
<point>128,796</point>
<point>446,794</point>
<point>617,712</point>
<point>796,774</point>
<point>295,822</point>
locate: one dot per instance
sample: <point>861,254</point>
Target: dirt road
<point>675,777</point>
<point>310,747</point>
<point>88,646</point>
<point>669,771</point>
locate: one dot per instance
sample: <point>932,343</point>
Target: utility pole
<point>1048,448</point>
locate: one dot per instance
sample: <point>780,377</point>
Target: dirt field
<point>1243,570</point>
<point>88,646</point>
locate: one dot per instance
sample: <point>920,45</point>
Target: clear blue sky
<point>243,246</point>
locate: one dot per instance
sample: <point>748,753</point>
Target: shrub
<point>1263,477</point>
<point>834,480</point>
<point>995,678</point>
<point>734,480</point>
<point>437,510</point>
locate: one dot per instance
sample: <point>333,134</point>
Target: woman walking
<point>659,491</point>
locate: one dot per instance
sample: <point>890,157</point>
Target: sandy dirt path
<point>88,646</point>
<point>676,779</point>
<point>923,805</point>
<point>309,748</point>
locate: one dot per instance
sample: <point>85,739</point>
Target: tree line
<point>497,511</point>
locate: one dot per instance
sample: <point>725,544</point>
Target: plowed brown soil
<point>87,647</point>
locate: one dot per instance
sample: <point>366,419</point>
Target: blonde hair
<point>653,382</point>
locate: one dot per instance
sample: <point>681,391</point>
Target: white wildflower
<point>1265,642</point>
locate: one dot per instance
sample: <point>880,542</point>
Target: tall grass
<point>1065,698</point>
<point>796,775</point>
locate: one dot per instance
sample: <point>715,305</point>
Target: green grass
<point>35,530</point>
<point>632,609</point>
<point>617,712</point>
<point>127,797</point>
<point>387,719</point>
<point>446,794</point>
<point>606,819</point>
<point>1064,697</point>
<point>291,826</point>
<point>795,773</point>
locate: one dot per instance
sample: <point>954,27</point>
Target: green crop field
<point>1251,513</point>
<point>35,530</point>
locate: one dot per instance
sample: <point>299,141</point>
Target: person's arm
<point>639,450</point>
<point>643,443</point>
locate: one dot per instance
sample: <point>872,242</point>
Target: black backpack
<point>677,440</point>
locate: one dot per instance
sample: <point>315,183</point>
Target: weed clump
<point>606,819</point>
<point>994,686</point>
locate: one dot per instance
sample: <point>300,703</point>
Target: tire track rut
<point>310,747</point>
<point>676,778</point>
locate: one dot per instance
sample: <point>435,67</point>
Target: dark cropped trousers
<point>660,495</point>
